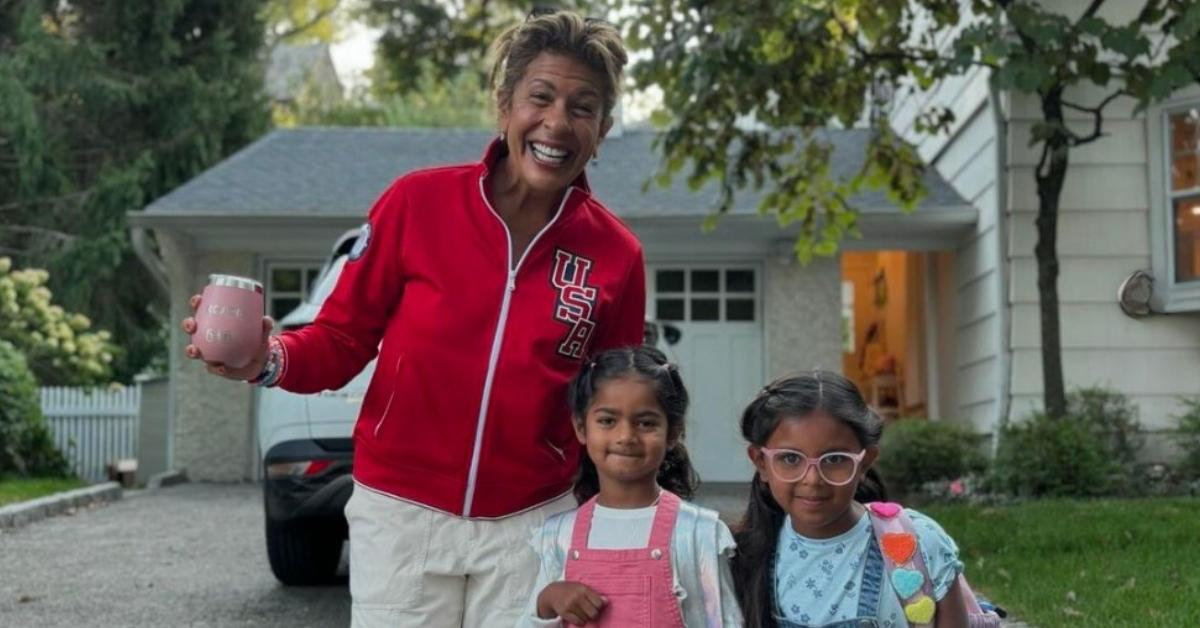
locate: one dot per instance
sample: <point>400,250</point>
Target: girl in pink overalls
<point>634,553</point>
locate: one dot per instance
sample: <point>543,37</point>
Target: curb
<point>24,513</point>
<point>166,479</point>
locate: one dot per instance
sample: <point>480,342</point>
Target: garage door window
<point>287,285</point>
<point>706,294</point>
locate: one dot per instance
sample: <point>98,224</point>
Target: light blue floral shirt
<point>817,580</point>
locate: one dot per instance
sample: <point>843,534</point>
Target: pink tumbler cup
<point>229,320</point>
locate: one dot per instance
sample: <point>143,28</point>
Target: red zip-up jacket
<point>467,410</point>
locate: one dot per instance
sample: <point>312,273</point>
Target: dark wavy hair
<point>758,532</point>
<point>648,364</point>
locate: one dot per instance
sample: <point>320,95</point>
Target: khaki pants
<point>413,566</point>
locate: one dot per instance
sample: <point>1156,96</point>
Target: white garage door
<point>719,310</point>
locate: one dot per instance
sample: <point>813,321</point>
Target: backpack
<point>905,568</point>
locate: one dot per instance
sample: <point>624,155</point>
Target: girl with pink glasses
<point>814,550</point>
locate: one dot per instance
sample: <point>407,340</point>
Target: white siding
<point>966,157</point>
<point>1103,236</point>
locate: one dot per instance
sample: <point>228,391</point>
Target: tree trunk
<point>1050,175</point>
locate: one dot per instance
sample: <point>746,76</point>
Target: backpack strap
<point>903,562</point>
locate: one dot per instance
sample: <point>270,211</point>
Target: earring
<point>503,137</point>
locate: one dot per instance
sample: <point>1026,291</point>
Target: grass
<point>1084,563</point>
<point>14,489</point>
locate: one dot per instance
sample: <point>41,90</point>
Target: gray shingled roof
<point>343,170</point>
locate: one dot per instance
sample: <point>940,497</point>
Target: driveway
<point>189,555</point>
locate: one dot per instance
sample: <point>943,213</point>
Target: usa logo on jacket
<point>576,303</point>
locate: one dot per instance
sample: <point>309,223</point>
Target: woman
<point>487,284</point>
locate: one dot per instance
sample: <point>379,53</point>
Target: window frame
<point>303,265</point>
<point>1169,295</point>
<point>722,295</point>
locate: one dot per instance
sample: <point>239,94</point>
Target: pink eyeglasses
<point>837,468</point>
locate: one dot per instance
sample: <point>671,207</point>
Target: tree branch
<point>1091,10</point>
<point>31,230</point>
<point>75,196</point>
<point>300,28</point>
<point>871,57</point>
<point>1097,117</point>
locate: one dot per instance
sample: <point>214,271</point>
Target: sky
<point>355,53</point>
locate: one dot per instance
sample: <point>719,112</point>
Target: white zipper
<point>509,288</point>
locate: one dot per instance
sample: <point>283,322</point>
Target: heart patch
<point>921,611</point>
<point>907,582</point>
<point>899,547</point>
<point>887,510</point>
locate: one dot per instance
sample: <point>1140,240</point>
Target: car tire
<point>305,552</point>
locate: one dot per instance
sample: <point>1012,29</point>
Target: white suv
<point>307,450</point>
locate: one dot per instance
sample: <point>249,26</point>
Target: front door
<point>718,309</point>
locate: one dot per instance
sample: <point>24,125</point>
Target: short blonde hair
<point>592,41</point>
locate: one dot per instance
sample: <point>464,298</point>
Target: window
<point>1185,192</point>
<point>706,294</point>
<point>1174,142</point>
<point>288,284</point>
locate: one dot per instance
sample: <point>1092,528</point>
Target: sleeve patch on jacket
<point>360,245</point>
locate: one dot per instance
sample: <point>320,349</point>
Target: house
<point>746,309</point>
<point>302,72</point>
<point>1131,202</point>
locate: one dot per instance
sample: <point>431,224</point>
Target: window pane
<point>739,310</point>
<point>668,281</point>
<point>706,281</point>
<point>1187,239</point>
<point>739,281</point>
<point>706,309</point>
<point>669,309</point>
<point>280,307</point>
<point>310,279</point>
<point>285,280</point>
<point>1185,132</point>
<point>1183,172</point>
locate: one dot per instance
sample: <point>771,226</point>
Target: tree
<point>443,38</point>
<point>105,106</point>
<point>799,65</point>
<point>457,102</point>
<point>301,21</point>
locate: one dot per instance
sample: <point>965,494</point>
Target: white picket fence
<point>93,426</point>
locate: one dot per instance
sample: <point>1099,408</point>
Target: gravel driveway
<point>189,555</point>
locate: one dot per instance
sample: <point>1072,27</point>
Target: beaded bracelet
<point>273,369</point>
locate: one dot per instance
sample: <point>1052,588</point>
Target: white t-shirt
<point>620,528</point>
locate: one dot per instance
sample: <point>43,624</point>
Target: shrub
<point>59,346</point>
<point>1111,418</point>
<point>1188,438</point>
<point>916,451</point>
<point>26,447</point>
<point>1043,457</point>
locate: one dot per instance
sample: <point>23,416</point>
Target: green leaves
<point>59,347</point>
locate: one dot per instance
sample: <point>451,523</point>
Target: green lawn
<point>1084,563</point>
<point>20,489</point>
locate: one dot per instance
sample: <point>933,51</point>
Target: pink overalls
<point>639,583</point>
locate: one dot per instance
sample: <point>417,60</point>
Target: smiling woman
<point>459,452</point>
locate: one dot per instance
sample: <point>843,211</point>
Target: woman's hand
<point>573,602</point>
<point>245,373</point>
